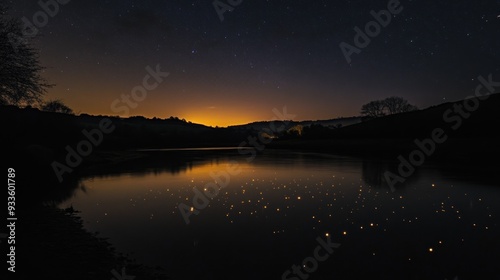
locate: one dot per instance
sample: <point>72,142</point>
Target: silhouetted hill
<point>26,127</point>
<point>331,123</point>
<point>481,123</point>
<point>475,135</point>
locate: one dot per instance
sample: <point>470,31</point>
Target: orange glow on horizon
<point>212,108</point>
<point>219,121</point>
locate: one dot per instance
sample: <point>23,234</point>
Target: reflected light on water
<point>278,206</point>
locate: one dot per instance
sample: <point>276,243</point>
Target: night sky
<point>263,55</point>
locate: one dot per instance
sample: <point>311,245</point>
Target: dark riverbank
<point>54,243</point>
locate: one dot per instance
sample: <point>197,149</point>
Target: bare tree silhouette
<point>373,109</point>
<point>396,105</point>
<point>21,82</point>
<point>389,106</point>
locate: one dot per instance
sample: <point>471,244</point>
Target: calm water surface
<point>441,224</point>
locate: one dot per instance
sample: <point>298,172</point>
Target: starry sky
<point>263,55</point>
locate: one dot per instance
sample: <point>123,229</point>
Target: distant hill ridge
<point>482,122</point>
<point>28,126</point>
<point>330,123</point>
<point>471,135</point>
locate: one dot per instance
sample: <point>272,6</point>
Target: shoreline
<point>56,236</point>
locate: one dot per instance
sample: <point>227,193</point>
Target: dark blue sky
<point>265,54</point>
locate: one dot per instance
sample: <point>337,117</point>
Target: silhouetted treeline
<point>29,126</point>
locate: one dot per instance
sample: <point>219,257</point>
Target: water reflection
<point>374,171</point>
<point>269,216</point>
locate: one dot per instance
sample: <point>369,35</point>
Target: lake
<point>291,215</point>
